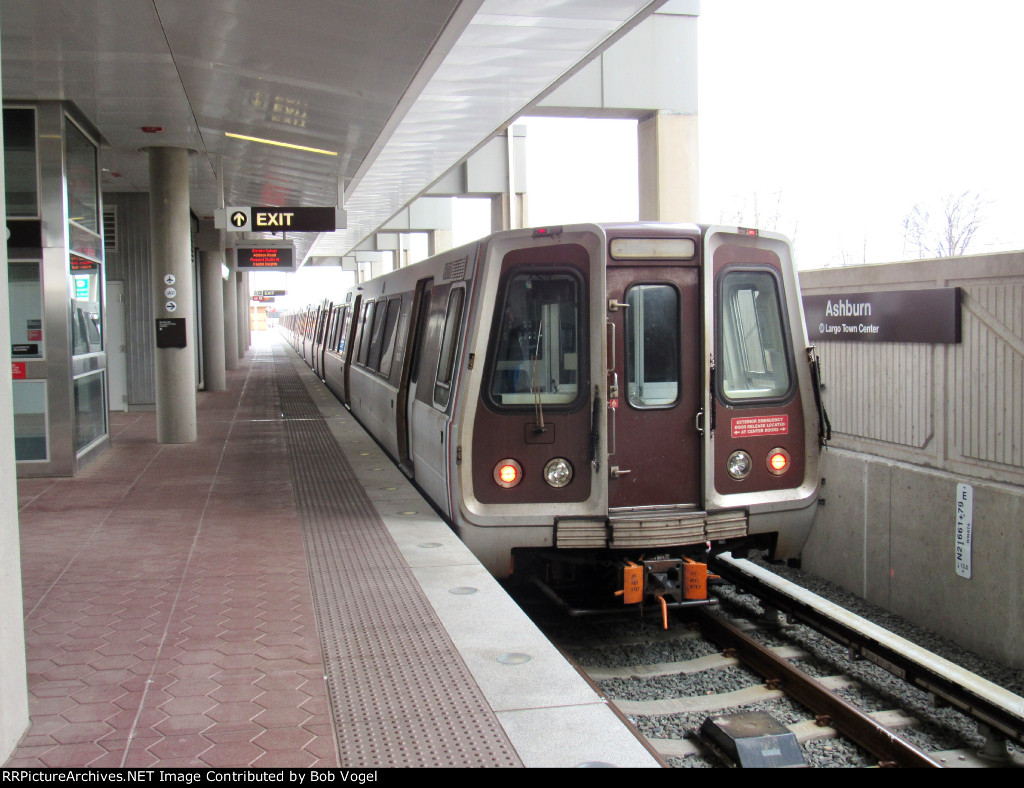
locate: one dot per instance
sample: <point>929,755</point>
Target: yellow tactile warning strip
<point>400,692</point>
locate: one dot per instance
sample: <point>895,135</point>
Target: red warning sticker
<point>753,426</point>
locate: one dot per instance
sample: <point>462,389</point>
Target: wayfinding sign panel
<point>925,316</point>
<point>285,219</point>
<point>265,256</point>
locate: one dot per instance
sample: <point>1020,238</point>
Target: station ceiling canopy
<point>369,102</point>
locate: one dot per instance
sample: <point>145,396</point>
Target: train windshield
<point>752,346</point>
<point>537,357</point>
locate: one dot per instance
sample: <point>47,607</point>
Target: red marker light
<point>508,473</point>
<point>778,461</point>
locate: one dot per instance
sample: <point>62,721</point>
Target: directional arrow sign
<point>238,219</point>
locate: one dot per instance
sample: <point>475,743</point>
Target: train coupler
<point>673,582</point>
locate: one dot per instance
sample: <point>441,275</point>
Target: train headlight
<point>738,465</point>
<point>778,461</point>
<point>558,472</point>
<point>508,473</point>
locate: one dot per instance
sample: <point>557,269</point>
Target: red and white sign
<point>18,370</point>
<point>754,426</point>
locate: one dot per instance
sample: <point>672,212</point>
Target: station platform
<point>277,594</point>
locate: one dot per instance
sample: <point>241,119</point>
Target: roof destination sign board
<point>275,220</point>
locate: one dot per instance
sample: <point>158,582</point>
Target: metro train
<point>624,395</point>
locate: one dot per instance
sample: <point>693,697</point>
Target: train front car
<point>632,394</point>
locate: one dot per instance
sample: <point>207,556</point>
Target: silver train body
<point>615,390</point>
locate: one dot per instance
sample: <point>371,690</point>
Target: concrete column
<point>230,321</point>
<point>214,376</point>
<point>171,240</point>
<point>439,241</point>
<point>13,675</point>
<point>501,218</point>
<point>668,167</point>
<point>242,299</point>
<point>246,301</point>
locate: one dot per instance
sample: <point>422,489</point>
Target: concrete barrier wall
<point>887,533</point>
<point>911,422</point>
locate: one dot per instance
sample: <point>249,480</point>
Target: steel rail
<point>888,747</point>
<point>976,697</point>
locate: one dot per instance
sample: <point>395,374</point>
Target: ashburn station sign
<point>925,316</point>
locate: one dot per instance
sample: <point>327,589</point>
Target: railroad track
<point>842,711</point>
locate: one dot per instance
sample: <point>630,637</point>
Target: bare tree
<point>772,218</point>
<point>949,235</point>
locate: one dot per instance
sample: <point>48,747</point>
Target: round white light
<point>558,472</point>
<point>738,465</point>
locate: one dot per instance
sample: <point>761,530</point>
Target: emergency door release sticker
<point>753,426</point>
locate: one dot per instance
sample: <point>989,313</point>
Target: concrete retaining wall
<point>910,423</point>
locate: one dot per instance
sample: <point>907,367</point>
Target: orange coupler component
<point>633,584</point>
<point>695,581</point>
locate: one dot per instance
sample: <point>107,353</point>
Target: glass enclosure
<point>55,275</point>
<point>81,171</point>
<point>26,309</point>
<point>22,180</point>
<point>90,410</point>
<point>29,420</point>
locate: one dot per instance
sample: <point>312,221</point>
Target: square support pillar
<point>668,168</point>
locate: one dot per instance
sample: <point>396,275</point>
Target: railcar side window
<point>449,341</point>
<point>652,346</point>
<point>537,353</point>
<point>754,358</point>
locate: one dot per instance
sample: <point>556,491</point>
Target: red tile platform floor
<point>168,612</point>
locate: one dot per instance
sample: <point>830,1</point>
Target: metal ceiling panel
<point>399,91</point>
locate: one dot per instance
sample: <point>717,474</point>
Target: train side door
<point>410,373</point>
<point>654,384</point>
<point>345,348</point>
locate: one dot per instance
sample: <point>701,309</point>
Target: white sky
<point>840,117</point>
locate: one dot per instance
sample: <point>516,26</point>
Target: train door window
<point>377,336</point>
<point>449,342</point>
<point>346,322</point>
<point>337,335</point>
<point>652,346</point>
<point>332,331</point>
<point>421,331</point>
<point>388,344</point>
<point>537,350</point>
<point>750,329</point>
<point>364,332</point>
<point>329,332</point>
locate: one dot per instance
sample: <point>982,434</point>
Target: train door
<point>410,374</point>
<point>345,346</point>
<point>655,394</point>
